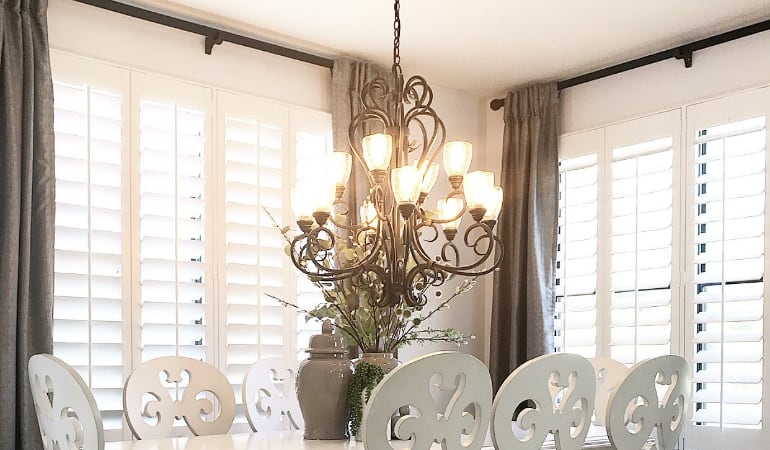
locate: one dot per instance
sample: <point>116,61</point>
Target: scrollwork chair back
<point>66,409</point>
<point>636,408</point>
<point>609,372</point>
<point>269,396</point>
<point>460,424</point>
<point>553,394</point>
<point>154,419</point>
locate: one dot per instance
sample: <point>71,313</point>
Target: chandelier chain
<point>396,33</point>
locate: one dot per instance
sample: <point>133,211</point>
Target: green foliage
<point>365,378</point>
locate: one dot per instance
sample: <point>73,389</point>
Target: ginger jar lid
<point>328,342</point>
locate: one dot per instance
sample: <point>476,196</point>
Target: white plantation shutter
<point>576,274</point>
<point>726,262</point>
<point>173,138</point>
<point>256,174</point>
<point>162,246</point>
<point>90,125</point>
<point>615,254</point>
<point>729,272</point>
<point>641,209</point>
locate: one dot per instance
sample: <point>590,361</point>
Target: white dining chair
<point>654,395</point>
<point>269,396</point>
<point>550,394</point>
<point>66,410</point>
<point>609,372</point>
<point>460,424</point>
<point>200,391</point>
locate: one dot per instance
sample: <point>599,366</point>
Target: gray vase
<point>322,386</point>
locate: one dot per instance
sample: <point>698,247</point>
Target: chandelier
<point>395,238</point>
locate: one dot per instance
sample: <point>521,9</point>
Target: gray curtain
<point>27,186</point>
<point>523,297</point>
<point>348,78</point>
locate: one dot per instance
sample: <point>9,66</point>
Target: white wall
<point>716,71</point>
<point>88,31</point>
<point>91,32</point>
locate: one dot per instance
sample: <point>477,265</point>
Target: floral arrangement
<point>374,329</point>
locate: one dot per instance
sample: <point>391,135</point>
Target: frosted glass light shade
<point>405,182</point>
<point>476,186</point>
<point>428,174</point>
<point>377,150</point>
<point>322,195</point>
<point>449,208</point>
<point>493,203</point>
<point>368,214</point>
<point>302,202</point>
<point>457,157</point>
<point>340,164</point>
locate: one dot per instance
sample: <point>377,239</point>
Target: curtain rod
<point>214,36</point>
<point>683,52</point>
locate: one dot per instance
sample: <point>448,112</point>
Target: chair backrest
<point>150,409</point>
<point>269,396</point>
<point>654,394</point>
<point>609,372</point>
<point>461,424</point>
<point>550,394</point>
<point>66,411</point>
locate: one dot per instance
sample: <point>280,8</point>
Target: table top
<point>271,441</point>
<point>247,441</point>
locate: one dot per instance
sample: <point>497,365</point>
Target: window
<point>675,260</point>
<point>726,263</point>
<point>162,243</point>
<point>615,258</point>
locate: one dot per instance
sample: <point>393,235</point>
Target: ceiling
<point>484,46</point>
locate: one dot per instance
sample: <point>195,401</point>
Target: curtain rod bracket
<point>685,54</point>
<point>213,39</point>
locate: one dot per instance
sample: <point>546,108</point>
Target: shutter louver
<point>172,231</point>
<point>729,273</point>
<point>576,257</point>
<point>641,209</point>
<point>88,269</point>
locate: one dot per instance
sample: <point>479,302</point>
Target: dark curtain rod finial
<point>682,52</point>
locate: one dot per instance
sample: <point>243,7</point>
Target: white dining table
<point>275,441</point>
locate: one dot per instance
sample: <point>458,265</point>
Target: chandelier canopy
<point>393,245</point>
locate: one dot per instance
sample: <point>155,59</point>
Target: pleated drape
<point>523,297</point>
<point>27,184</point>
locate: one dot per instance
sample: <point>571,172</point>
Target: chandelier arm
<point>306,253</point>
<point>426,156</point>
<point>387,287</point>
<point>470,269</point>
<point>430,226</point>
<point>446,248</point>
<point>419,96</point>
<point>431,276</point>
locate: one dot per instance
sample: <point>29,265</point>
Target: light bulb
<point>339,167</point>
<point>368,214</point>
<point>449,208</point>
<point>406,184</point>
<point>476,185</point>
<point>428,176</point>
<point>457,158</point>
<point>493,203</point>
<point>377,150</point>
<point>322,195</point>
<point>302,202</point>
